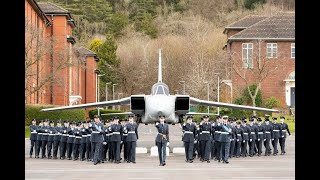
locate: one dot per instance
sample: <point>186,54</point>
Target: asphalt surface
<point>147,167</point>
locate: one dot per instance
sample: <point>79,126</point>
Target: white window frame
<point>272,48</point>
<point>246,61</point>
<point>293,46</point>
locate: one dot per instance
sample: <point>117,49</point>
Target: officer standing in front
<point>33,136</point>
<point>70,140</point>
<point>233,137</point>
<point>217,143</point>
<point>252,137</point>
<point>245,138</point>
<point>283,134</point>
<point>205,129</point>
<point>239,139</point>
<point>225,135</point>
<point>188,138</point>
<point>162,139</point>
<point>96,139</point>
<point>132,129</point>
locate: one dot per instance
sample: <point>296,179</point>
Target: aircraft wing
<point>196,113</point>
<point>196,101</point>
<point>123,101</point>
<point>122,113</point>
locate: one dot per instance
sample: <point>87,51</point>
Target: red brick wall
<point>231,32</point>
<point>91,81</point>
<point>273,85</point>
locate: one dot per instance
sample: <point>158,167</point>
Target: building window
<point>271,50</point>
<point>292,75</point>
<point>247,55</point>
<point>293,50</point>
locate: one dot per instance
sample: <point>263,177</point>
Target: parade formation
<point>101,141</point>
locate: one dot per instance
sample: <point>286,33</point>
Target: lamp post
<point>119,98</point>
<point>107,92</point>
<point>229,83</point>
<point>98,94</point>
<point>218,91</point>
<point>113,85</point>
<point>184,86</point>
<point>208,92</point>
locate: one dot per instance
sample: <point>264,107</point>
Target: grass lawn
<point>27,131</point>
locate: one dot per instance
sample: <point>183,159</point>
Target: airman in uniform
<point>233,137</point>
<point>77,141</point>
<point>217,141</point>
<point>83,141</point>
<point>33,136</point>
<point>44,139</point>
<point>106,139</point>
<point>124,136</point>
<point>131,141</point>
<point>52,132</point>
<point>239,139</point>
<point>276,135</point>
<point>283,134</point>
<point>89,152</point>
<point>205,129</point>
<point>64,139</point>
<point>39,138</point>
<point>56,139</point>
<point>162,139</point>
<point>116,129</point>
<point>252,137</point>
<point>261,135</point>
<point>189,138</point>
<point>70,140</point>
<point>268,136</point>
<point>245,138</point>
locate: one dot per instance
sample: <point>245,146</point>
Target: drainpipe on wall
<point>51,62</point>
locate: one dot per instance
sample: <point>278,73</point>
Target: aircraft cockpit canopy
<point>160,88</point>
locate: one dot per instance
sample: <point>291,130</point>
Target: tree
<point>38,49</point>
<point>254,71</point>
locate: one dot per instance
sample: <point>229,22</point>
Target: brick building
<point>57,72</point>
<point>263,48</point>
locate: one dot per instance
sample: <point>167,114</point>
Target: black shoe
<point>208,161</point>
<point>95,163</point>
<point>219,160</point>
<point>120,159</point>
<point>102,161</point>
<point>190,161</point>
<point>274,154</point>
<point>201,160</point>
<point>133,162</point>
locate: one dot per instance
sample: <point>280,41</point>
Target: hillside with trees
<point>126,35</point>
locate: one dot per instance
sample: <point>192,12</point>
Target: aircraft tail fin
<point>160,67</point>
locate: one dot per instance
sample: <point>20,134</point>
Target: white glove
<point>106,130</point>
<point>109,128</point>
<point>250,140</point>
<point>264,140</point>
<point>195,142</point>
<point>201,123</point>
<point>168,143</point>
<point>51,132</point>
<point>64,131</point>
<point>282,136</point>
<point>244,141</point>
<point>46,130</point>
<point>237,140</point>
<point>77,132</point>
<point>184,124</point>
<point>34,131</point>
<point>121,142</point>
<point>272,139</point>
<point>83,130</point>
<point>157,123</point>
<point>258,139</point>
<point>87,127</point>
<point>90,125</point>
<point>104,143</point>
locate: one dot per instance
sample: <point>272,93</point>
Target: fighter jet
<point>147,108</point>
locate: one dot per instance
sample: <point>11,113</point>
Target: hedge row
<point>33,111</point>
